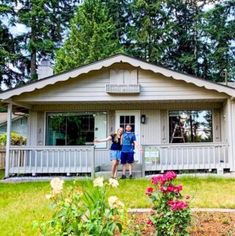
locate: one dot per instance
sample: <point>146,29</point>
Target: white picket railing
<point>48,159</point>
<point>185,157</point>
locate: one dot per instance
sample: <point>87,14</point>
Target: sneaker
<point>130,176</point>
<point>123,177</point>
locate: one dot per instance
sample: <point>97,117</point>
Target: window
<point>127,120</point>
<point>73,128</point>
<point>190,126</point>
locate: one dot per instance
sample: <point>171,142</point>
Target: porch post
<point>233,135</point>
<point>230,134</point>
<point>8,143</point>
<point>93,163</point>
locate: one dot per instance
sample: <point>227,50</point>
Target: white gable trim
<point>107,63</point>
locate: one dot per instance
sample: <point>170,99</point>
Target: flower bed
<point>203,223</point>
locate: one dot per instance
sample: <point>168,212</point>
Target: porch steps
<point>105,171</point>
<point>136,167</point>
<point>107,174</point>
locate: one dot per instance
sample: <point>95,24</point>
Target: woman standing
<point>115,149</point>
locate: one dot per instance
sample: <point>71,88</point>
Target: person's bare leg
<point>116,168</point>
<point>124,169</point>
<point>130,169</point>
<point>113,168</point>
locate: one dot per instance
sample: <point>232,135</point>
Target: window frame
<point>167,130</point>
<point>46,113</point>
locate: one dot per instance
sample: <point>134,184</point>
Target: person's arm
<point>137,145</point>
<point>103,140</point>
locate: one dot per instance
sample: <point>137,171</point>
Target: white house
<point>182,122</point>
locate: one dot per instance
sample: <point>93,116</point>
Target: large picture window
<point>74,128</point>
<point>190,126</point>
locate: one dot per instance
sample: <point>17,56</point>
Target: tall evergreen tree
<point>92,37</point>
<point>219,34</point>
<point>10,57</point>
<point>46,21</point>
<point>149,30</point>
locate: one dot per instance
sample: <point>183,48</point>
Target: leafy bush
<point>84,212</point>
<point>171,214</point>
<point>16,139</point>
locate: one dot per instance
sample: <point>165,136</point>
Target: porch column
<point>230,128</point>
<point>8,143</point>
<point>233,135</point>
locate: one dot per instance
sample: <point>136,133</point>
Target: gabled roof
<point>107,63</point>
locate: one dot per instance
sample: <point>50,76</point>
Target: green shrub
<point>171,214</point>
<point>86,212</point>
<point>16,139</point>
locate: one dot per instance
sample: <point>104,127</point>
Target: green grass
<point>1,174</point>
<point>22,203</point>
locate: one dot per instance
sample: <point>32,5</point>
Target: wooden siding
<point>91,88</point>
<point>150,131</point>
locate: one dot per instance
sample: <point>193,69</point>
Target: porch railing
<point>46,159</point>
<point>2,157</point>
<point>185,157</point>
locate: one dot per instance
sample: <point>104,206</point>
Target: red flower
<point>149,222</point>
<point>177,205</point>
<point>157,180</point>
<point>149,191</point>
<point>170,175</point>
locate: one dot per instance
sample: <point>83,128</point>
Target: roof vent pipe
<point>44,69</point>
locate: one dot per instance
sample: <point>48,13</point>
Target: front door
<point>133,118</point>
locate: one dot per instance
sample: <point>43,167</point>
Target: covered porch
<point>160,152</point>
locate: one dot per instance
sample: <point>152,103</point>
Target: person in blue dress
<point>115,149</point>
<point>128,142</point>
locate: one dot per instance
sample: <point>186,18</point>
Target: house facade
<point>182,122</point>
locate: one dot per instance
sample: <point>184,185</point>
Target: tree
<point>46,21</point>
<point>92,37</point>
<point>219,33</point>
<point>149,30</point>
<point>10,58</point>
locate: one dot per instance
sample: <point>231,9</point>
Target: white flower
<point>57,185</point>
<point>114,202</point>
<point>86,216</point>
<point>48,196</point>
<point>113,182</point>
<point>98,182</point>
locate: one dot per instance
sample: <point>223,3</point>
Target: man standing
<point>129,143</point>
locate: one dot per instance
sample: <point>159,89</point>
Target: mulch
<point>203,223</point>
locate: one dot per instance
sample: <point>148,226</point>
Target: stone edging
<point>147,210</point>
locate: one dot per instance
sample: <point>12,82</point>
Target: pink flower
<point>149,222</point>
<point>177,205</point>
<point>149,191</point>
<point>170,175</point>
<point>158,180</point>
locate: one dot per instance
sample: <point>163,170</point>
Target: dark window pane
<point>70,129</point>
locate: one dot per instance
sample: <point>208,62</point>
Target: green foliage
<point>92,37</point>
<point>171,216</point>
<point>85,212</point>
<point>16,139</point>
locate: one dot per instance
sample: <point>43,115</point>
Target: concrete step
<point>136,167</point>
<point>107,174</point>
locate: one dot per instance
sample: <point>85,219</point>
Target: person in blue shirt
<point>115,149</point>
<point>128,142</point>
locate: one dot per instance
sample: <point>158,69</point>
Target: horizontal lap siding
<point>91,87</point>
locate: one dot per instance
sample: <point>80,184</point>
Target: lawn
<point>22,203</point>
